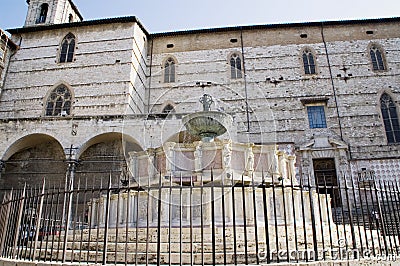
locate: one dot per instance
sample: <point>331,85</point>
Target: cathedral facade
<point>83,96</point>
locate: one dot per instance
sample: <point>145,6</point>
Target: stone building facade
<point>79,96</point>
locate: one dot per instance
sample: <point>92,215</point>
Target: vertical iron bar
<point>244,221</point>
<point>169,219</point>
<point>285,221</point>
<point>328,212</point>
<point>202,219</point>
<point>375,213</point>
<point>266,225</point>
<point>393,215</point>
<point>294,217</point>
<point>255,218</point>
<point>313,222</point>
<point>38,218</point>
<point>275,222</point>
<point>212,218</point>
<point>191,219</point>
<point>138,188</point>
<point>381,219</point>
<point>74,221</point>
<point>385,213</point>
<point>180,219</point>
<point>353,235</point>
<point>159,223</point>
<point>148,221</point>
<point>59,193</point>
<point>234,224</point>
<point>84,221</point>
<point>363,216</point>
<point>357,214</point>
<point>128,200</point>
<point>93,215</point>
<point>106,224</point>
<point>223,217</point>
<point>117,219</point>
<point>317,189</point>
<point>18,223</point>
<point>304,217</point>
<point>343,216</point>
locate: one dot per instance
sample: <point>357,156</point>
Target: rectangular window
<point>316,116</point>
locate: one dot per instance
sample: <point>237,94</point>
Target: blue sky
<point>170,15</point>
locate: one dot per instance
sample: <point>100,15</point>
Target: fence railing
<point>183,220</point>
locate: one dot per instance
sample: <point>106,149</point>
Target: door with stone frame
<point>326,180</point>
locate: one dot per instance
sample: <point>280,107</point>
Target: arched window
<point>390,119</point>
<point>70,18</point>
<point>169,70</point>
<point>43,14</point>
<point>236,66</point>
<point>377,58</point>
<point>59,102</point>
<point>168,109</point>
<point>308,62</point>
<point>67,48</point>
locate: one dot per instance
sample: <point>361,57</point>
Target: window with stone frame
<point>390,119</point>
<point>169,70</point>
<point>316,116</point>
<point>236,66</point>
<point>308,62</point>
<point>43,14</point>
<point>377,58</point>
<point>3,48</point>
<point>67,48</point>
<point>59,102</point>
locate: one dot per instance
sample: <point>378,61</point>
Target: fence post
<point>18,223</point>
<point>6,206</point>
<point>107,219</point>
<point>38,218</point>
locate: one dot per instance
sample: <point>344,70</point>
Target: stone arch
<point>30,159</point>
<point>106,155</point>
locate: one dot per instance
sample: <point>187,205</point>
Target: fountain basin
<point>207,124</point>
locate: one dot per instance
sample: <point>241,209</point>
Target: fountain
<point>207,124</point>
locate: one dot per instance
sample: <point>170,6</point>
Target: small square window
<point>316,116</point>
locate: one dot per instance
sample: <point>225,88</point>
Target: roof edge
<point>79,24</point>
<point>277,25</point>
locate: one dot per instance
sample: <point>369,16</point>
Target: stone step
<point>177,258</point>
<point>174,247</point>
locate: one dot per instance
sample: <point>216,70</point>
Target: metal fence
<point>183,220</point>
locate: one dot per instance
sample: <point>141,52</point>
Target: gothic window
<point>316,116</point>
<point>169,71</point>
<point>377,58</point>
<point>308,62</point>
<point>70,18</point>
<point>67,48</point>
<point>168,109</point>
<point>236,66</point>
<point>59,102</point>
<point>390,119</point>
<point>43,14</point>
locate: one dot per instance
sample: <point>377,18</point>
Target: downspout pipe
<point>245,81</point>
<point>148,92</point>
<point>333,87</point>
